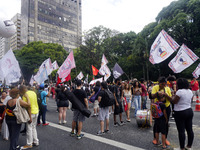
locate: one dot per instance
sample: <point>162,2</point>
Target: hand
<point>30,121</point>
<point>117,104</point>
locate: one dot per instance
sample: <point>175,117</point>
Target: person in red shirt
<point>195,87</point>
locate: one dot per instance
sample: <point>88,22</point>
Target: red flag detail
<point>66,79</point>
<point>94,70</point>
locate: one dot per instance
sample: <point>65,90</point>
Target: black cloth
<point>102,102</point>
<point>81,95</point>
<point>118,109</point>
<point>96,89</point>
<point>57,92</point>
<point>62,100</point>
<point>183,121</point>
<point>2,108</point>
<point>160,123</point>
<point>111,88</point>
<point>117,92</point>
<point>10,109</point>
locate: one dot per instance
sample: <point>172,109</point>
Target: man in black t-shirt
<point>103,110</point>
<point>78,116</point>
<point>118,103</point>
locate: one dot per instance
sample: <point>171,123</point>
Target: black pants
<point>183,121</point>
<point>168,111</point>
<point>14,131</point>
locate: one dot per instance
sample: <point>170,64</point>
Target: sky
<point>121,15</point>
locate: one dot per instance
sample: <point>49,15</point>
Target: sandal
<point>166,147</point>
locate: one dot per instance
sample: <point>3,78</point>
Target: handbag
<point>92,98</point>
<point>21,113</point>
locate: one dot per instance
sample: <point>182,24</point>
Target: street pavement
<point>128,136</point>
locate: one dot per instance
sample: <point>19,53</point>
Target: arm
<point>49,92</point>
<point>116,100</point>
<point>165,115</point>
<point>91,95</point>
<point>28,108</point>
<point>175,99</point>
<point>86,102</point>
<point>140,89</point>
<point>99,99</point>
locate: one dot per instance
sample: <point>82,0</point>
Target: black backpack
<point>39,98</point>
<point>109,98</point>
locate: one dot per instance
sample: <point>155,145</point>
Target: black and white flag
<point>117,71</point>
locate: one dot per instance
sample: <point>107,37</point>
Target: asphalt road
<point>128,136</point>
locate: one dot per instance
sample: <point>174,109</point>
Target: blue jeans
<point>144,102</point>
<point>137,102</point>
<point>42,113</point>
<point>14,131</point>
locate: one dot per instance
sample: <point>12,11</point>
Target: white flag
<point>196,72</point>
<point>94,81</point>
<point>48,65</point>
<point>184,58</point>
<point>41,75</point>
<point>80,76</point>
<point>107,72</point>
<point>162,48</point>
<point>10,70</point>
<point>104,61</point>
<point>31,80</point>
<point>55,65</point>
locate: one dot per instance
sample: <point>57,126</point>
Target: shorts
<point>62,103</point>
<point>103,113</point>
<point>78,116</point>
<point>195,93</point>
<point>160,126</point>
<point>96,104</point>
<point>118,109</point>
<point>128,100</point>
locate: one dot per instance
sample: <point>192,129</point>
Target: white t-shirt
<point>184,101</point>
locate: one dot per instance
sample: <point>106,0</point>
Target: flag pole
<point>126,75</point>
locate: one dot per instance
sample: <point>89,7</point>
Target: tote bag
<point>21,113</point>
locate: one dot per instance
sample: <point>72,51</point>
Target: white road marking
<point>99,139</point>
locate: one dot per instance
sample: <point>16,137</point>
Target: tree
<point>32,55</point>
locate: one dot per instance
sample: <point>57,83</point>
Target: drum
<point>144,118</point>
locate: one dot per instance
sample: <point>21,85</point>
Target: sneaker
<point>94,115</point>
<point>64,121</point>
<point>107,131</point>
<point>80,136</point>
<point>128,120</point>
<point>116,124</point>
<point>72,134</point>
<point>167,142</point>
<point>59,122</point>
<point>100,133</point>
<point>46,124</point>
<point>186,148</point>
<point>35,144</point>
<point>38,124</point>
<point>26,147</point>
<point>122,123</point>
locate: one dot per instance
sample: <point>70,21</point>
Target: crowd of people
<point>126,95</point>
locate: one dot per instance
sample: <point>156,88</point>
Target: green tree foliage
<point>32,55</point>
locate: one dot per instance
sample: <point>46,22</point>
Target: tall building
<point>57,21</point>
<point>15,39</point>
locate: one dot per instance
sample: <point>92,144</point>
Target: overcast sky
<point>121,15</point>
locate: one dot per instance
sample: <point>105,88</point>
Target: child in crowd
<point>160,123</point>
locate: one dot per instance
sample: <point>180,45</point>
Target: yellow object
<point>33,100</point>
<point>167,90</point>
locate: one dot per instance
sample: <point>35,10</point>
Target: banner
<point>80,76</point>
<point>162,48</point>
<point>48,65</point>
<point>184,58</point>
<point>117,71</point>
<point>94,81</point>
<point>94,70</point>
<point>10,70</point>
<point>106,71</point>
<point>66,67</point>
<point>196,72</point>
<point>55,65</point>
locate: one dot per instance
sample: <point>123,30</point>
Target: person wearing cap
<point>43,110</point>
